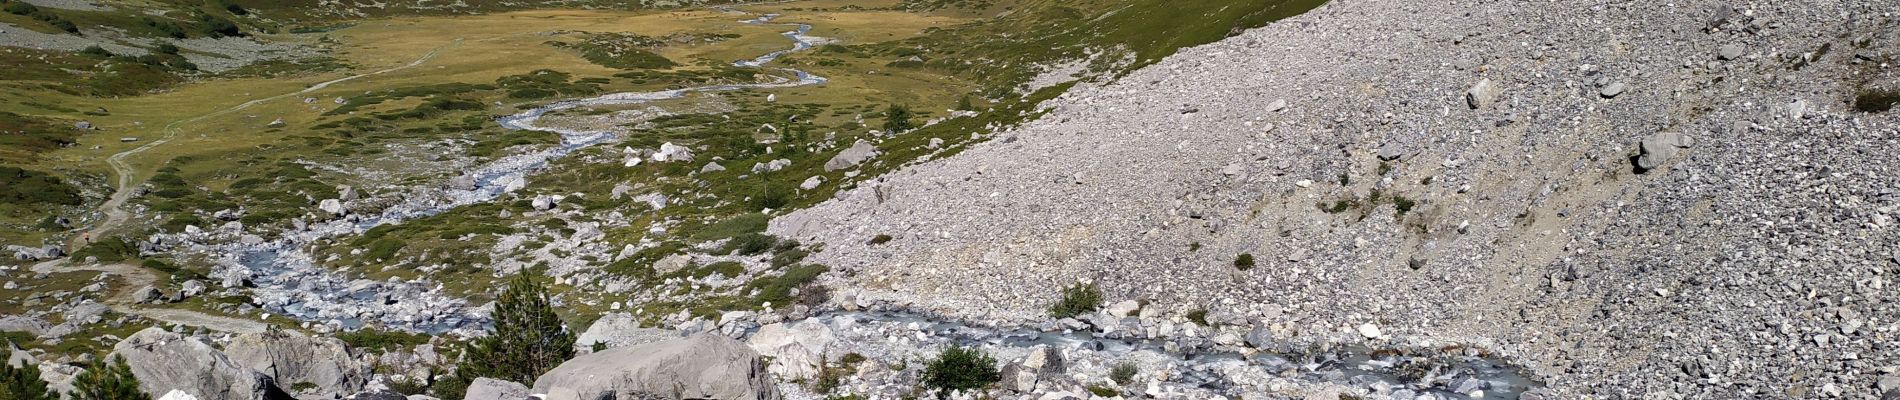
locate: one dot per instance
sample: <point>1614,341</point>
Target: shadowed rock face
<point>165,361</point>
<point>291,358</point>
<point>698,367</point>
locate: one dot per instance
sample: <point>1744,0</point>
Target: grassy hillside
<point>1118,35</point>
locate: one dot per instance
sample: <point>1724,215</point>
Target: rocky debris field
<point>1648,199</point>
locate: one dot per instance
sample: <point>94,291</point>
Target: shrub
<point>1244,261</point>
<point>778,290</point>
<point>407,386</point>
<point>1403,204</point>
<point>727,269</point>
<point>1077,300</point>
<point>1123,373</point>
<point>27,187</point>
<point>96,52</point>
<point>23,382</point>
<point>528,340</point>
<point>880,239</point>
<point>381,341</point>
<point>960,368</point>
<point>112,249</point>
<point>1104,391</point>
<point>897,119</point>
<point>812,295</point>
<point>739,225</point>
<point>1876,100</point>
<point>1198,316</point>
<point>750,244</point>
<point>108,381</point>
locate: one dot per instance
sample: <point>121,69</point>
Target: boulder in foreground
<point>701,366</point>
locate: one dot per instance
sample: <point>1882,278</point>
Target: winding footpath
<point>113,209</point>
<point>134,277</point>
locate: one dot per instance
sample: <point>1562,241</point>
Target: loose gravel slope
<point>1757,260</point>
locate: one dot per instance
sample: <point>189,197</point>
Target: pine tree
<point>108,381</point>
<point>23,383</point>
<point>528,340</point>
<point>897,119</point>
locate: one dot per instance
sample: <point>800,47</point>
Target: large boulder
<point>797,350</point>
<point>292,360</point>
<point>620,330</point>
<point>492,389</point>
<point>703,366</point>
<point>20,323</point>
<point>851,157</point>
<point>165,361</point>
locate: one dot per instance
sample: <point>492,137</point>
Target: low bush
<point>1244,261</point>
<point>1876,100</point>
<point>959,368</point>
<point>112,249</point>
<point>1198,316</point>
<point>750,244</point>
<point>1077,300</point>
<point>1123,373</point>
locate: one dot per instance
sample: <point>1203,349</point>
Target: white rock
<point>1370,331</point>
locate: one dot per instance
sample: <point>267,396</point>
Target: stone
<point>1730,51</point>
<point>495,389</point>
<point>83,125</point>
<point>332,206</point>
<point>670,152</point>
<point>191,288</point>
<point>796,349</point>
<point>1260,337</point>
<point>1370,331</point>
<point>672,263</point>
<point>1798,108</point>
<point>176,394</point>
<point>620,329</point>
<point>771,166</point>
<point>858,153</point>
<point>1124,308</point>
<point>712,167</point>
<point>291,359</point>
<point>1660,147</point>
<point>544,202</point>
<point>278,123</point>
<point>1612,90</point>
<point>1277,105</point>
<point>1045,360</point>
<point>22,323</point>
<point>812,182</point>
<point>1017,378</point>
<point>1483,94</point>
<point>156,355</point>
<point>1888,383</point>
<point>702,366</point>
<point>1390,151</point>
<point>146,294</point>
